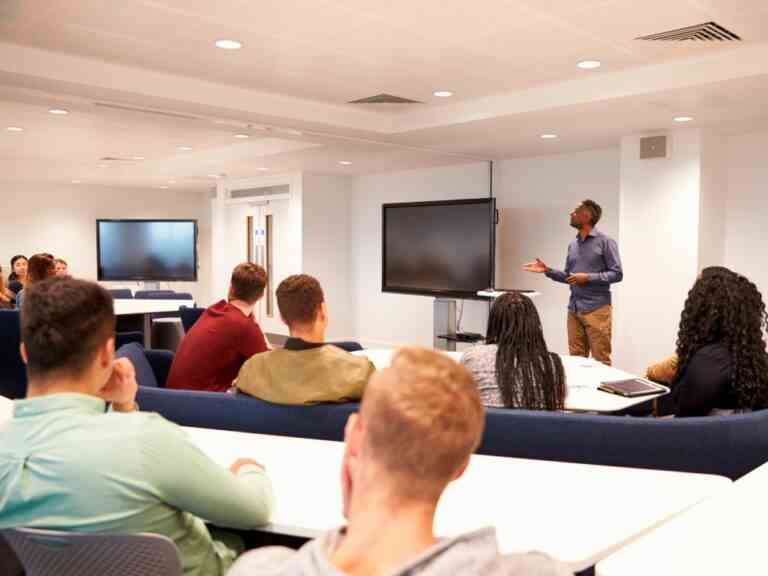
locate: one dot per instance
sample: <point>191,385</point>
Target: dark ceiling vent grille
<point>384,99</point>
<point>116,159</point>
<point>709,32</point>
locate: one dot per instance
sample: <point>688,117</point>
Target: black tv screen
<point>438,248</point>
<point>151,250</point>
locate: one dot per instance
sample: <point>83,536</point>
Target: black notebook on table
<point>631,387</point>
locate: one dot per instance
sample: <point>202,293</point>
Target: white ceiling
<point>510,63</point>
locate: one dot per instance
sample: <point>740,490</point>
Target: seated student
<point>513,369</point>
<point>307,370</point>
<point>223,338</point>
<point>17,279</point>
<point>62,269</point>
<point>7,298</point>
<point>665,371</point>
<point>722,362</point>
<point>41,266</point>
<point>77,456</point>
<point>419,422</point>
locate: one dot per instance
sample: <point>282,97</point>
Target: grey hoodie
<point>472,553</point>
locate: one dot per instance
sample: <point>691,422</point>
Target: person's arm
<point>189,480</point>
<point>697,392</point>
<point>560,275</point>
<point>613,271</point>
<point>663,372</point>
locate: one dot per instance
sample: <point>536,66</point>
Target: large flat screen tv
<point>149,250</point>
<point>439,248</point>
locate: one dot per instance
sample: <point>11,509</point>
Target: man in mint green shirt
<point>78,456</point>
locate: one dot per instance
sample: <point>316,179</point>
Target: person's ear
<point>23,352</point>
<point>106,354</point>
<point>230,293</point>
<point>461,469</point>
<point>353,434</point>
<point>322,314</point>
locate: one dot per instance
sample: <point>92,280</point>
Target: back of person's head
<point>422,419</point>
<point>18,258</point>
<point>61,266</point>
<point>64,322</point>
<point>41,266</point>
<point>248,282</point>
<point>716,270</point>
<point>594,209</point>
<point>728,309</point>
<point>299,299</point>
<point>527,375</point>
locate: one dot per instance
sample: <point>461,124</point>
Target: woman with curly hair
<point>514,369</point>
<point>722,362</point>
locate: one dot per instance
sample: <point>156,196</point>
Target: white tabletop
<point>141,306</point>
<point>583,376</point>
<point>722,535</point>
<point>578,513</point>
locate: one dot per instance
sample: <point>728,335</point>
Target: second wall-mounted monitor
<point>439,248</point>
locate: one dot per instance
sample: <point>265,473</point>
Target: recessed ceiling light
<point>225,44</point>
<point>184,148</point>
<point>683,118</point>
<point>589,64</point>
<point>163,187</point>
<point>103,165</point>
<point>58,111</point>
<point>213,175</point>
<point>171,181</point>
<point>345,162</point>
<point>137,157</point>
<point>242,136</point>
<point>549,136</point>
<point>262,168</point>
<point>15,129</point>
<point>76,181</point>
<point>443,93</point>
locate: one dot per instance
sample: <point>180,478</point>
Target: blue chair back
<point>348,346</point>
<point>189,316</point>
<point>13,372</point>
<point>183,296</point>
<point>121,293</point>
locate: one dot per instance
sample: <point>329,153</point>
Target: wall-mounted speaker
<point>653,147</point>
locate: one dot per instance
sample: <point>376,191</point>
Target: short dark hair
<point>41,266</point>
<point>299,298</point>
<point>594,210</point>
<point>63,323</point>
<point>12,276</point>
<point>248,282</point>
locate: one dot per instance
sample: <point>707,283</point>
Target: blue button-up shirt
<point>598,256</point>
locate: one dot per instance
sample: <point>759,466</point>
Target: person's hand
<point>536,266</point>
<point>121,387</point>
<point>579,279</point>
<point>240,462</point>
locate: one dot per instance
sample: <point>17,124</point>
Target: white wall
<point>746,235</point>
<point>61,219</point>
<point>325,237</point>
<point>535,195</point>
<point>659,240</point>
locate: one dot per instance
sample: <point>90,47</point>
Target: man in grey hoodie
<point>419,422</point>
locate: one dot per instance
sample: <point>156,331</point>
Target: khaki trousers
<point>591,332</point>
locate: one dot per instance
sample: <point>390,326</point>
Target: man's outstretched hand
<point>536,266</point>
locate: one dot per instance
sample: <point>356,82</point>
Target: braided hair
<point>527,375</point>
<point>726,308</point>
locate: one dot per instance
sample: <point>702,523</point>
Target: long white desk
<point>722,535</point>
<point>578,513</point>
<point>583,376</point>
<point>145,309</point>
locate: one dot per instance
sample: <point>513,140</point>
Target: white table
<point>722,535</point>
<point>145,309</point>
<point>578,513</point>
<point>583,376</point>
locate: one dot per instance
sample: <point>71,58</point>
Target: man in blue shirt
<point>592,265</point>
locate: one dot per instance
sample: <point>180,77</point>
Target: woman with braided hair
<point>722,362</point>
<point>514,369</point>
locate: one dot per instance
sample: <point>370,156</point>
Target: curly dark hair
<point>594,209</point>
<point>726,308</point>
<point>527,375</point>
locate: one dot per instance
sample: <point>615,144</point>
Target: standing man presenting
<point>592,265</point>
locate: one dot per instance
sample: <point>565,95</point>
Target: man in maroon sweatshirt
<point>223,338</point>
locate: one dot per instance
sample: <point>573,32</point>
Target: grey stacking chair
<point>49,553</point>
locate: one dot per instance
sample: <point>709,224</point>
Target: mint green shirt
<point>65,464</point>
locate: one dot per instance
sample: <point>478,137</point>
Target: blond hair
<point>423,422</point>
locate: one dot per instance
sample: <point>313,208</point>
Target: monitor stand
<point>152,286</point>
<point>444,324</point>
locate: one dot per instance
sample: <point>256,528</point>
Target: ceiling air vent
<point>384,99</point>
<point>709,32</point>
<point>116,159</point>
